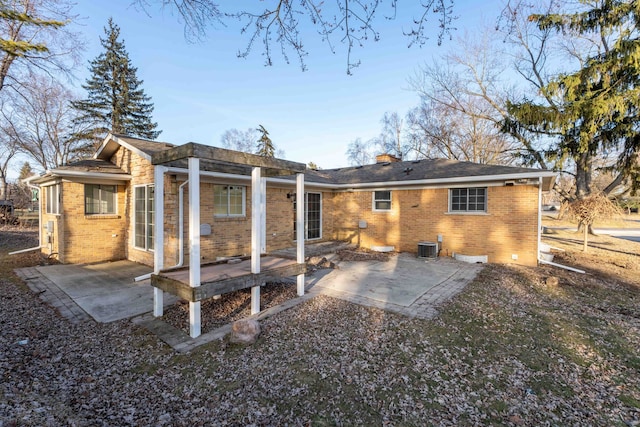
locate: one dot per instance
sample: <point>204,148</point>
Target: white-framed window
<point>468,199</point>
<point>229,200</point>
<point>382,200</point>
<point>53,199</point>
<point>100,199</point>
<point>144,216</point>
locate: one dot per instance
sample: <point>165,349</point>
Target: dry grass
<point>514,348</point>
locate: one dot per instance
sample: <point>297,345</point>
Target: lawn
<point>519,346</point>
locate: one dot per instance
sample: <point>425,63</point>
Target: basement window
<point>100,199</point>
<point>382,201</point>
<point>229,201</point>
<point>468,199</point>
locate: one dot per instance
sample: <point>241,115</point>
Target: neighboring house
<point>103,209</point>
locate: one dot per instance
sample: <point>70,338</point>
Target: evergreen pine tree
<point>598,110</point>
<point>25,171</point>
<point>265,145</point>
<point>116,101</point>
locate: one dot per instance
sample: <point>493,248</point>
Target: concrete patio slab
<point>105,291</point>
<point>404,284</point>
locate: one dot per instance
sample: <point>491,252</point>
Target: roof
<point>87,169</point>
<point>419,170</point>
<point>226,161</point>
<point>396,174</point>
<point>143,147</point>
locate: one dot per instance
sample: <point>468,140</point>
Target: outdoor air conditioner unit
<point>427,250</point>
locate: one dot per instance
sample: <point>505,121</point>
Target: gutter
<point>417,182</point>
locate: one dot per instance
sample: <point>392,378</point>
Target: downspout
<point>180,233</point>
<point>540,259</point>
<point>35,248</point>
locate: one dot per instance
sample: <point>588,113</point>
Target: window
<point>382,200</point>
<point>53,199</point>
<point>228,200</point>
<point>468,200</point>
<point>144,217</point>
<point>99,199</point>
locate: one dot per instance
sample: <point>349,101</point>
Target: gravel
<point>510,350</point>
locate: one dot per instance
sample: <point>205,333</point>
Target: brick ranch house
<point>102,209</point>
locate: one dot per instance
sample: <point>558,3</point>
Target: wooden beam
<point>205,152</point>
<point>219,287</point>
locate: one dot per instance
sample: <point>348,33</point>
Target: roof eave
<point>110,145</point>
<point>548,178</point>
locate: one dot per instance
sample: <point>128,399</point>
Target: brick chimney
<point>384,158</point>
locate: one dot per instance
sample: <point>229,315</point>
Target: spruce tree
<point>599,103</point>
<point>265,145</point>
<point>116,101</point>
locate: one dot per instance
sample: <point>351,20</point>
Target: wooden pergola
<point>197,282</point>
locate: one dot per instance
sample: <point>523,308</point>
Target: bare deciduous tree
<point>8,150</point>
<point>40,122</point>
<point>34,38</point>
<point>359,153</point>
<point>280,23</point>
<point>235,139</point>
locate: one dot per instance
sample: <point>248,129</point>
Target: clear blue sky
<point>202,89</point>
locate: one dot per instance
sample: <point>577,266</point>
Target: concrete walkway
<point>105,292</point>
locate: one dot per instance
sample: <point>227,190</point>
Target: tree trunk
<point>583,175</point>
<point>3,187</point>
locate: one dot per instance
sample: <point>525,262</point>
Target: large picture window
<point>99,199</point>
<point>468,200</point>
<point>382,200</point>
<point>53,199</point>
<point>144,217</point>
<point>228,200</point>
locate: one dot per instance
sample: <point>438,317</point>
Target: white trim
<point>110,137</point>
<point>485,180</point>
<point>244,201</point>
<point>105,214</point>
<point>373,201</point>
<point>300,280</point>
<point>158,236</point>
<point>485,211</point>
<point>195,325</point>
<point>256,233</point>
<point>94,175</point>
<point>135,222</point>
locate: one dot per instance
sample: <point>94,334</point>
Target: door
<point>312,216</point>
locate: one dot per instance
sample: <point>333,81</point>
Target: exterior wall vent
<point>427,250</point>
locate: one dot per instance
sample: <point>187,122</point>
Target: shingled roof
<point>420,170</point>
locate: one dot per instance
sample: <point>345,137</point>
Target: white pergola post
<point>194,243</point>
<point>263,215</point>
<point>158,235</point>
<point>300,228</point>
<point>256,234</point>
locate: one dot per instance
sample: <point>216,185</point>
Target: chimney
<point>387,158</point>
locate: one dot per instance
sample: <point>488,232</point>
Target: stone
<point>552,281</point>
<point>245,331</point>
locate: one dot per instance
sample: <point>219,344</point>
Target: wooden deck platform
<point>224,277</point>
